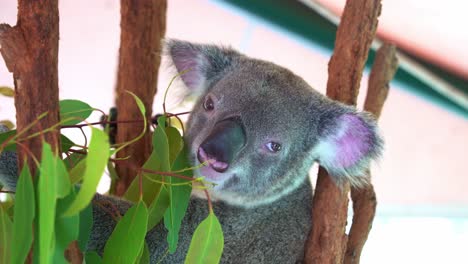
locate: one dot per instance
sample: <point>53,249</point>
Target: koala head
<point>259,127</point>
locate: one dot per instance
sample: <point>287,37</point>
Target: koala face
<point>258,127</point>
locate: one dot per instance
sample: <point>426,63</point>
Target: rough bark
<point>364,199</point>
<point>30,51</point>
<point>383,70</point>
<point>143,25</point>
<point>327,238</point>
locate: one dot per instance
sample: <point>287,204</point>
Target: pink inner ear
<point>192,77</point>
<point>353,141</point>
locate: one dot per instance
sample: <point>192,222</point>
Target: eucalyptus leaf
<point>62,179</point>
<point>24,211</point>
<point>153,192</point>
<point>113,176</point>
<point>7,91</point>
<point>72,160</point>
<point>75,110</point>
<point>158,207</point>
<point>66,143</point>
<point>66,228</point>
<point>96,161</point>
<point>86,225</point>
<point>128,237</point>
<point>207,242</point>
<point>179,196</point>
<point>176,143</point>
<point>7,123</point>
<point>161,144</point>
<point>77,172</point>
<point>144,257</point>
<point>92,258</point>
<point>47,193</point>
<point>5,235</point>
<point>5,136</point>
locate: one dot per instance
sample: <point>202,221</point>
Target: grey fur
<point>8,166</point>
<point>263,200</point>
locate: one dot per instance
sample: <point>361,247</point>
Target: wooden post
<point>143,25</point>
<point>364,199</point>
<point>327,239</point>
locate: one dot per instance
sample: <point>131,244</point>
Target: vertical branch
<point>327,238</point>
<point>30,51</point>
<point>364,199</point>
<point>143,25</point>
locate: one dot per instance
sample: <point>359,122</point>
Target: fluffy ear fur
<point>347,143</point>
<point>8,166</point>
<point>200,64</point>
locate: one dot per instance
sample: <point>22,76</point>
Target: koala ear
<point>201,63</point>
<point>348,141</point>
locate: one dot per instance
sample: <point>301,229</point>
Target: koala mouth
<point>219,166</point>
<point>213,169</point>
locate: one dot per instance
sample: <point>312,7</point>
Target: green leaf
<point>72,160</point>
<point>144,257</point>
<point>66,143</point>
<point>78,172</point>
<point>7,91</point>
<point>179,196</point>
<point>75,111</point>
<point>158,207</point>
<point>128,237</point>
<point>66,228</point>
<point>63,179</point>
<point>161,144</point>
<point>5,235</point>
<point>7,123</point>
<point>86,225</point>
<point>207,242</point>
<point>6,135</point>
<point>114,177</point>
<point>92,258</point>
<point>176,143</point>
<point>24,211</point>
<point>154,193</point>
<point>47,193</point>
<point>96,161</point>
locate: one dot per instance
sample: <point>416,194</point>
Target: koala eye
<point>208,105</point>
<point>273,147</point>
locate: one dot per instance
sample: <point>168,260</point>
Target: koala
<point>259,127</point>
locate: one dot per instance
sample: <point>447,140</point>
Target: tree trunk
<point>327,238</point>
<point>30,51</point>
<point>143,25</point>
<point>364,199</point>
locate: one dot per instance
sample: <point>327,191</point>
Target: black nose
<point>224,142</point>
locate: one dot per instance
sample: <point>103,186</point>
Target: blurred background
<point>422,179</point>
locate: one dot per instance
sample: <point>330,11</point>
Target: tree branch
<point>143,25</point>
<point>327,238</point>
<point>364,199</point>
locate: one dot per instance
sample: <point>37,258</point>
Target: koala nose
<point>223,144</point>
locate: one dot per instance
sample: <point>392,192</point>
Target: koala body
<point>259,127</point>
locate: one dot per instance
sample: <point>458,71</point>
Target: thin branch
<point>327,238</point>
<point>364,199</point>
